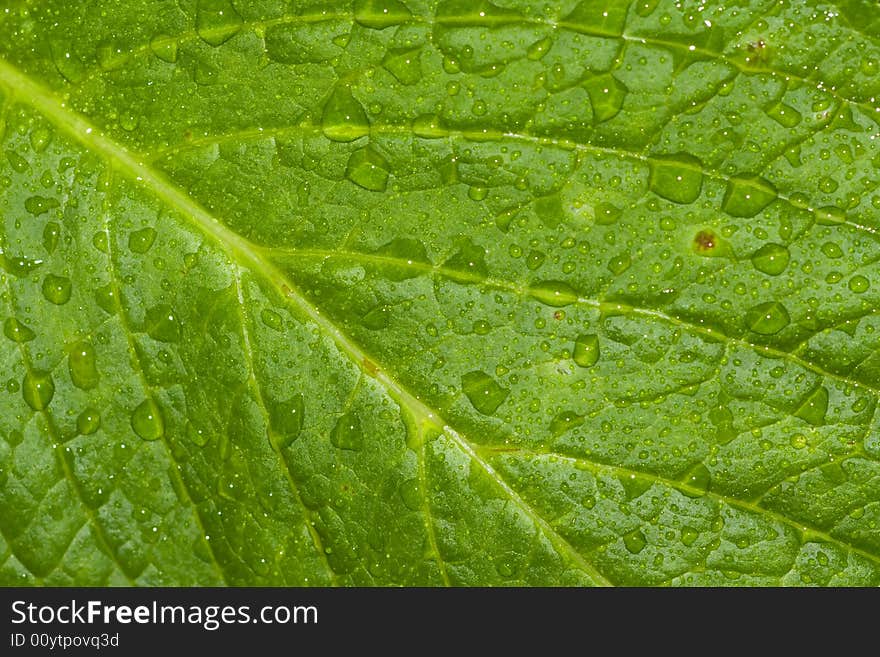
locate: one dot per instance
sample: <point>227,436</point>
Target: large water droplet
<point>16,331</point>
<point>539,48</point>
<point>859,284</point>
<point>635,541</point>
<point>347,433</point>
<point>37,205</point>
<point>57,289</point>
<point>379,14</point>
<point>105,297</point>
<point>784,115</point>
<point>272,319</point>
<point>162,323</point>
<point>677,178</point>
<point>217,21</point>
<point>164,47</point>
<point>286,420</point>
<point>747,195</point>
<point>404,64</point>
<point>51,235</point>
<point>18,265</point>
<point>771,259</point>
<point>38,388</point>
<point>565,421</point>
<point>689,535</point>
<point>88,422</point>
<point>698,480</point>
<point>368,169</point>
<point>607,94</point>
<point>344,118</point>
<point>814,407</point>
<point>196,435</point>
<point>483,391</point>
<point>146,420</point>
<point>554,293</point>
<point>586,350</point>
<point>83,366</point>
<point>767,318</point>
<point>140,241</point>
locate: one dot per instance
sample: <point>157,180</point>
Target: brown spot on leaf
<point>705,241</point>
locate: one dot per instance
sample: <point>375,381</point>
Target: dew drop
<point>217,21</point>
<point>607,95</point>
<point>689,535</point>
<point>101,241</point>
<point>859,284</point>
<point>37,205</point>
<point>38,388</point>
<point>347,433</point>
<point>379,14</point>
<point>565,421</point>
<point>832,250</point>
<point>698,479</point>
<point>368,169</point>
<point>814,407</point>
<point>51,235</point>
<point>483,391</point>
<point>635,541</point>
<point>586,350</point>
<point>535,259</point>
<point>411,494</point>
<point>162,324</point>
<point>619,263</point>
<point>147,422</point>
<point>767,318</point>
<point>16,331</point>
<point>57,289</point>
<point>747,195</point>
<point>677,178</point>
<point>607,214</point>
<point>88,422</point>
<point>164,47</point>
<point>344,118</point>
<point>784,115</point>
<point>83,367</point>
<point>554,293</point>
<point>140,241</point>
<point>286,420</point>
<point>272,319</point>
<point>17,162</point>
<point>18,265</point>
<point>197,436</point>
<point>428,126</point>
<point>539,48</point>
<point>404,64</point>
<point>105,297</point>
<point>771,259</point>
<point>40,139</point>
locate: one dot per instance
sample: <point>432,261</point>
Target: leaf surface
<point>440,293</point>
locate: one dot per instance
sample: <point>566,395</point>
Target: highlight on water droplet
<point>767,318</point>
<point>368,169</point>
<point>82,364</point>
<point>484,393</point>
<point>859,284</point>
<point>57,289</point>
<point>746,195</point>
<point>677,177</point>
<point>586,350</point>
<point>16,331</point>
<point>347,433</point>
<point>147,421</point>
<point>771,259</point>
<point>38,388</point>
<point>88,422</point>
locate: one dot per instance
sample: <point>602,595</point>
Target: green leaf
<point>440,293</point>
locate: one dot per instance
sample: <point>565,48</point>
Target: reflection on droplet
<point>286,420</point>
<point>140,241</point>
<point>635,541</point>
<point>217,21</point>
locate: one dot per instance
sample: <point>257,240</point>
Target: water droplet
<point>772,259</point>
<point>586,350</point>
<point>832,250</point>
<point>411,495</point>
<point>404,64</point>
<point>51,235</point>
<point>88,422</point>
<point>677,178</point>
<point>619,263</point>
<point>539,48</point>
<point>565,421</point>
<point>197,436</point>
<point>286,420</point>
<point>554,293</point>
<point>40,138</point>
<point>483,391</point>
<point>368,169</point>
<point>17,162</point>
<point>767,318</point>
<point>272,319</point>
<point>379,14</point>
<point>607,94</point>
<point>347,433</point>
<point>38,388</point>
<point>829,216</point>
<point>607,214</point>
<point>164,47</point>
<point>140,241</point>
<point>635,541</point>
<point>18,265</point>
<point>162,324</point>
<point>467,264</point>
<point>747,195</point>
<point>217,21</point>
<point>16,331</point>
<point>83,366</point>
<point>37,205</point>
<point>798,441</point>
<point>859,284</point>
<point>689,535</point>
<point>105,297</point>
<point>814,407</point>
<point>147,422</point>
<point>344,118</point>
<point>698,479</point>
<point>428,126</point>
<point>478,192</point>
<point>377,318</point>
<point>57,289</point>
<point>784,115</point>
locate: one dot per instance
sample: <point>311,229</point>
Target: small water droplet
<point>747,195</point>
<point>286,420</point>
<point>677,178</point>
<point>162,323</point>
<point>197,436</point>
<point>38,388</point>
<point>771,259</point>
<point>83,366</point>
<point>57,289</point>
<point>140,241</point>
<point>832,250</point>
<point>147,422</point>
<point>539,48</point>
<point>347,433</point>
<point>17,162</point>
<point>88,422</point>
<point>767,318</point>
<point>784,115</point>
<point>586,350</point>
<point>619,263</point>
<point>368,169</point>
<point>16,331</point>
<point>40,138</point>
<point>483,391</point>
<point>689,535</point>
<point>565,421</point>
<point>272,319</point>
<point>105,297</point>
<point>217,21</point>
<point>51,235</point>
